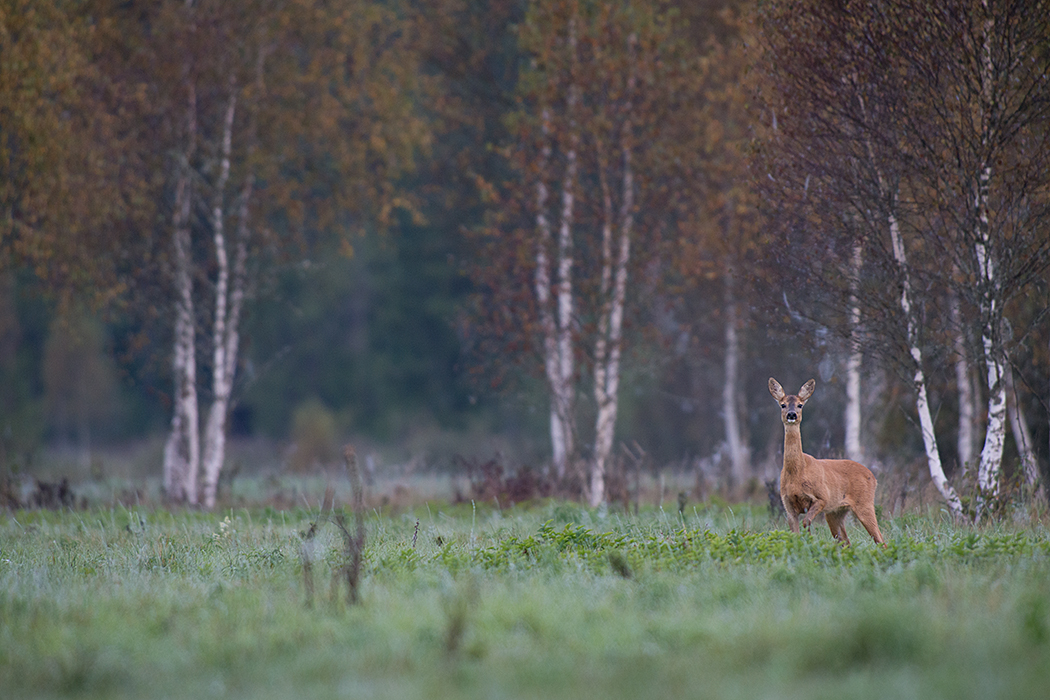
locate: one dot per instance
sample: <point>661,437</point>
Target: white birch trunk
<point>564,388</point>
<point>603,434</point>
<point>608,411</point>
<point>565,367</point>
<point>237,293</point>
<point>739,456</point>
<point>215,428</point>
<point>550,316</point>
<point>613,292</point>
<point>542,285</point>
<point>854,450</point>
<point>964,388</point>
<point>922,404</point>
<point>182,448</point>
<point>995,433</point>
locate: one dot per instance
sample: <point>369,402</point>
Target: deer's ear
<point>776,390</point>
<point>807,389</point>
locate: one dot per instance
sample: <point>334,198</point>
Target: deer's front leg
<point>814,510</point>
<point>791,509</point>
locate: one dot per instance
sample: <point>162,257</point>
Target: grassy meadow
<point>546,601</point>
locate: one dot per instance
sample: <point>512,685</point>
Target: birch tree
<point>922,402</point>
<point>182,447</point>
<point>588,100</point>
<point>855,355</point>
<point>973,107</point>
<point>987,272</point>
<point>739,454</point>
<point>554,295</point>
<point>229,296</point>
<point>317,103</point>
<point>828,63</point>
<point>963,101</point>
<point>622,108</point>
<point>985,157</point>
<point>204,56</point>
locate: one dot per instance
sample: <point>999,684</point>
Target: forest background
<point>332,208</point>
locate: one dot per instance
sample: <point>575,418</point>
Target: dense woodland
<point>590,230</point>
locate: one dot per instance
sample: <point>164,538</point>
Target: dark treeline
<point>583,228</point>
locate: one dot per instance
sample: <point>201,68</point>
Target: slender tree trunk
<point>739,457</point>
<point>565,362</point>
<point>613,293</point>
<point>608,409</point>
<point>922,403</point>
<point>988,282</point>
<point>542,284</point>
<point>854,450</point>
<point>963,386</point>
<point>222,379</point>
<point>995,367</point>
<point>555,310</point>
<point>564,390</point>
<point>182,448</point>
<point>603,434</point>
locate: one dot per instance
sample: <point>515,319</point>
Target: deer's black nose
<point>791,415</point>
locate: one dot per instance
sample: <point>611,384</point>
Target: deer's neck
<point>792,449</point>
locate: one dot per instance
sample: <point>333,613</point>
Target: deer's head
<point>791,404</point>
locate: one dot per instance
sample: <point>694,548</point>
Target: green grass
<point>553,601</point>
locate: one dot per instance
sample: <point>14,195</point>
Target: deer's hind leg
<point>866,516</point>
<point>837,524</point>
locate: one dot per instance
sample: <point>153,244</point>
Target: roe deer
<point>812,486</point>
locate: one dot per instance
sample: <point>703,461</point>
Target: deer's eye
<point>783,405</point>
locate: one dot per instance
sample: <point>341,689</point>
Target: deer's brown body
<point>810,486</point>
